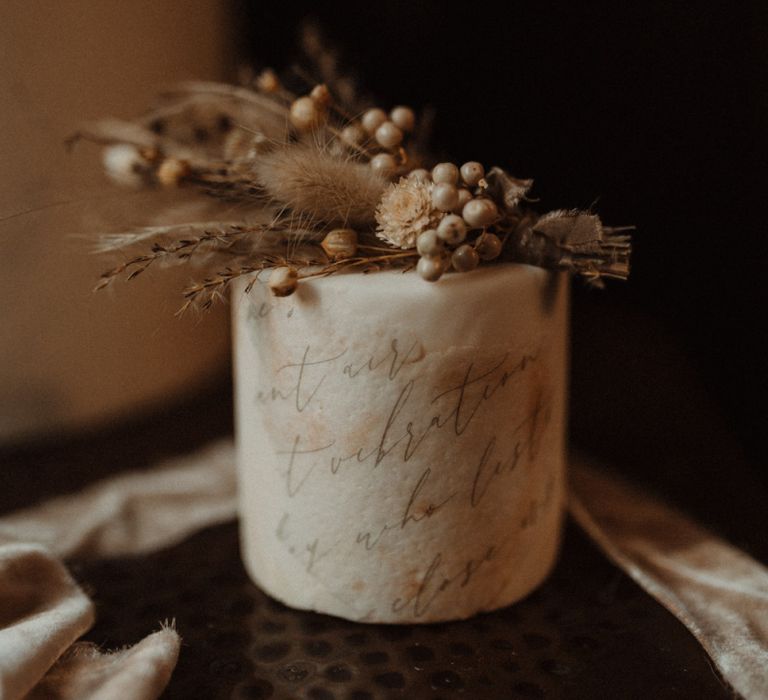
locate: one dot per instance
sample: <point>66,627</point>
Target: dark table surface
<point>588,632</point>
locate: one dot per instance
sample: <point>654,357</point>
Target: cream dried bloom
<point>405,210</point>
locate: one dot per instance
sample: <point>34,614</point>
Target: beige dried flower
<point>405,211</point>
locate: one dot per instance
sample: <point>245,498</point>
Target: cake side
<point>401,446</point>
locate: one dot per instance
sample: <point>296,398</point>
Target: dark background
<point>657,114</point>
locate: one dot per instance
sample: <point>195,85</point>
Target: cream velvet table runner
<point>718,592</point>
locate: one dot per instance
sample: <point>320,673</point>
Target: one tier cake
<point>401,444</point>
<point>400,334</point>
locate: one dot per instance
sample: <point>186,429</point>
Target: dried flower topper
<point>406,211</point>
<point>321,182</point>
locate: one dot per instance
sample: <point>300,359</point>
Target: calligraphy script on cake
<point>447,429</point>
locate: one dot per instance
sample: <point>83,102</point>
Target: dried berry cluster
<point>323,183</point>
<point>436,212</point>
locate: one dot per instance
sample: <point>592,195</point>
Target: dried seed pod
<point>340,243</point>
<point>306,113</point>
<point>172,171</point>
<point>321,95</point>
<point>267,81</point>
<point>283,281</point>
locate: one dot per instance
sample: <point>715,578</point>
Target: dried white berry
<point>445,197</point>
<point>430,244</point>
<point>373,119</point>
<point>472,173</point>
<point>283,281</point>
<point>306,113</point>
<point>431,269</point>
<point>403,117</point>
<point>445,172</point>
<point>464,196</point>
<point>124,164</point>
<point>384,164</point>
<point>452,229</point>
<point>388,135</point>
<point>353,135</point>
<point>480,212</point>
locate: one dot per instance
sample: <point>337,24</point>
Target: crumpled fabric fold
<point>136,512</point>
<point>139,672</point>
<point>718,592</point>
<point>43,611</point>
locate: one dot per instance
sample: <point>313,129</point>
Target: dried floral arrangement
<point>324,182</point>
